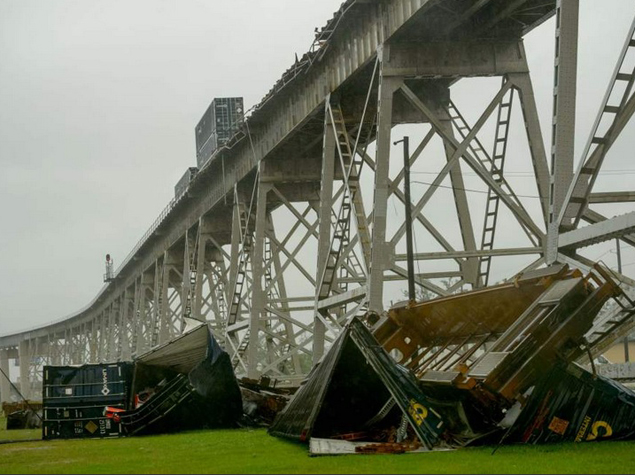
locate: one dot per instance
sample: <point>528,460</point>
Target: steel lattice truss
<point>299,225</point>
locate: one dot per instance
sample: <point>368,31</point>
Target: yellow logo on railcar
<point>417,411</point>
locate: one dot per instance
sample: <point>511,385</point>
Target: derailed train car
<point>188,383</point>
<point>488,366</point>
<point>574,405</point>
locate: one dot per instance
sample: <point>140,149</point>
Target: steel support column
<point>522,81</point>
<point>93,344</point>
<point>140,315</point>
<point>25,382</point>
<point>470,267</point>
<point>101,348</point>
<point>563,130</point>
<point>258,298</point>
<point>200,271</point>
<point>380,260</point>
<point>54,350</point>
<point>112,318</point>
<point>35,368</point>
<point>5,385</point>
<point>126,324</point>
<point>325,210</point>
<point>164,303</point>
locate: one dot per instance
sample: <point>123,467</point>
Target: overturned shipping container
<point>187,383</point>
<point>75,397</point>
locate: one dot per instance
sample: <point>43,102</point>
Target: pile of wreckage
<point>511,363</point>
<point>23,414</point>
<point>187,383</point>
<point>497,365</point>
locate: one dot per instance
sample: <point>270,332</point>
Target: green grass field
<point>6,435</point>
<point>253,451</point>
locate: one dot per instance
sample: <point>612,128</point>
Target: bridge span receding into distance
<point>293,226</point>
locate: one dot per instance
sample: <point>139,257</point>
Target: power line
<point>602,255</point>
<point>529,173</point>
<point>468,189</point>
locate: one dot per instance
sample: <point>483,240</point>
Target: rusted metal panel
<point>472,315</point>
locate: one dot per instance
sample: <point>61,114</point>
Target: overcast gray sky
<point>98,103</point>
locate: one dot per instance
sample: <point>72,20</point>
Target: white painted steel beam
<point>612,197</point>
<point>596,233</point>
<point>379,261</point>
<point>5,384</point>
<point>523,84</point>
<point>563,124</point>
<point>425,256</point>
<point>25,382</point>
<point>353,295</point>
<point>258,295</point>
<point>594,217</point>
<point>326,204</point>
<point>455,59</point>
<point>470,267</point>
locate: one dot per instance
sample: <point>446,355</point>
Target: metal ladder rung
<point>496,164</point>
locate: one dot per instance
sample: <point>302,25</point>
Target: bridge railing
<point>157,222</point>
<point>323,37</point>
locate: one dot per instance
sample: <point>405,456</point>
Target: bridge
<point>298,222</point>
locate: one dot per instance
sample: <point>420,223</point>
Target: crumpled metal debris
<point>497,365</point>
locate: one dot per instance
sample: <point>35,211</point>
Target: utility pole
<point>409,251</point>
<point>619,269</point>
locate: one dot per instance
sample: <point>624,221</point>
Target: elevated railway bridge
<point>296,224</point>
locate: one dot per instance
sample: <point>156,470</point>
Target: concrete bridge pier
<point>5,386</point>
